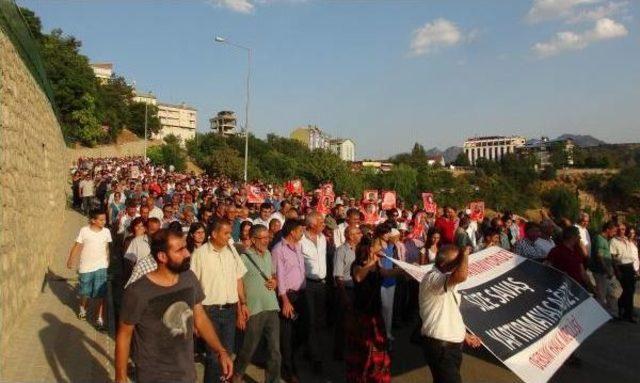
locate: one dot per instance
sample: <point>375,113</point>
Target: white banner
<point>530,316</point>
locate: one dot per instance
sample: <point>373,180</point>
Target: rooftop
<point>103,65</point>
<point>479,138</point>
<point>145,95</point>
<point>178,106</point>
<point>537,142</point>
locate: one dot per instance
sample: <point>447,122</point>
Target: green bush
<point>170,153</point>
<point>563,202</point>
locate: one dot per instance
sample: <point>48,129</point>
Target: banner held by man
<point>532,317</point>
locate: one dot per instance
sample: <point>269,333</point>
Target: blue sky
<point>385,73</point>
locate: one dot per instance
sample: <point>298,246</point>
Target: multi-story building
<point>103,71</point>
<point>344,148</point>
<point>146,98</point>
<point>312,137</point>
<point>224,123</point>
<point>491,147</point>
<point>544,148</point>
<point>179,120</point>
<point>377,166</point>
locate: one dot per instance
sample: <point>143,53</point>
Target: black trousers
<point>628,283</point>
<point>444,360</point>
<point>344,320</point>
<point>292,333</point>
<point>315,317</point>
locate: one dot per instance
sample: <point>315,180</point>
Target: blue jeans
<point>224,321</point>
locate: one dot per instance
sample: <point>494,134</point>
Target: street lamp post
<point>222,40</point>
<point>146,106</point>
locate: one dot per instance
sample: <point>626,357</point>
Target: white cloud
<point>240,6</point>
<point>437,34</point>
<point>605,29</point>
<point>600,12</point>
<point>248,6</point>
<point>544,10</point>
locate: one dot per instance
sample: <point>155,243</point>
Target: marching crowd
<point>201,265</point>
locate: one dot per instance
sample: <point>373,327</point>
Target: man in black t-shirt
<point>163,307</point>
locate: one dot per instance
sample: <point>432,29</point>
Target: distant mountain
<point>434,152</point>
<point>451,153</point>
<point>583,141</point>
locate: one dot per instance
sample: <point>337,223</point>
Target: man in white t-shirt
<point>443,329</point>
<point>87,192</point>
<point>281,215</point>
<point>585,238</point>
<point>91,248</point>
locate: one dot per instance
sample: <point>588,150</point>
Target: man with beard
<point>163,307</point>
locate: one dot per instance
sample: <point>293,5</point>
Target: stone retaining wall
<point>32,188</point>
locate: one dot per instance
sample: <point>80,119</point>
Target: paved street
<point>52,345</point>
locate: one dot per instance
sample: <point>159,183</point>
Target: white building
<point>225,123</point>
<point>146,98</point>
<point>103,71</point>
<point>179,120</point>
<point>344,148</point>
<point>312,137</point>
<point>491,147</point>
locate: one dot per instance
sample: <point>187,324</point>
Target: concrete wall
<point>32,188</point>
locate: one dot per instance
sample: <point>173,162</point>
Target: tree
<point>404,180</point>
<point>558,156</point>
<point>113,100</point>
<point>136,119</point>
<point>83,103</point>
<point>562,202</point>
<point>74,86</point>
<point>462,160</point>
<point>549,173</point>
<point>33,23</point>
<point>322,165</point>
<point>225,161</point>
<point>418,151</point>
<point>169,154</point>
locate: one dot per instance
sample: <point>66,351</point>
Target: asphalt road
<point>608,355</point>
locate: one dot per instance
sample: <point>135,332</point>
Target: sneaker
<point>100,324</point>
<point>82,314</point>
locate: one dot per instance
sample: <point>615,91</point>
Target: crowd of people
<point>199,262</point>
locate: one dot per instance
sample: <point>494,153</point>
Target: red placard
<point>388,199</point>
<point>254,194</point>
<point>326,198</point>
<point>429,203</point>
<point>477,210</point>
<point>294,187</point>
<point>327,190</point>
<point>324,204</point>
<point>370,196</point>
<point>370,212</point>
